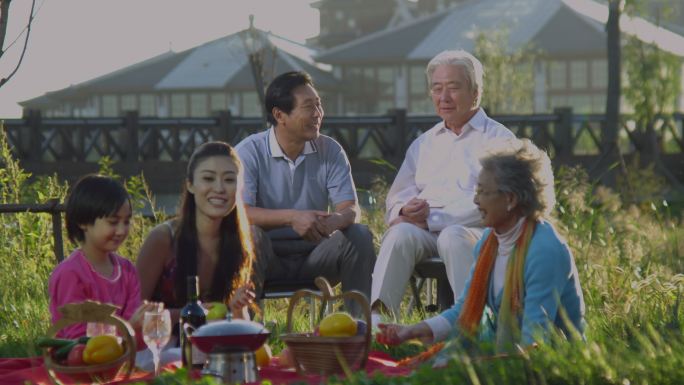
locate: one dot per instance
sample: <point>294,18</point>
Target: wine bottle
<point>193,314</point>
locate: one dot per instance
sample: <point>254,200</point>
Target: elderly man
<point>430,206</point>
<point>292,174</point>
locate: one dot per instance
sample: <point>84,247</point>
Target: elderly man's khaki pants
<point>404,245</point>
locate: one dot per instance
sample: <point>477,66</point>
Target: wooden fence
<point>159,147</point>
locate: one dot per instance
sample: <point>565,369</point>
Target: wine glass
<point>156,333</point>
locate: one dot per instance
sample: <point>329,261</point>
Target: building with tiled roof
<point>215,76</point>
<point>386,69</point>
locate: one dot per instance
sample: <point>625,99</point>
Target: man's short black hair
<point>280,92</point>
<point>92,197</point>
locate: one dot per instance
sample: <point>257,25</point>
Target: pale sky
<point>76,40</point>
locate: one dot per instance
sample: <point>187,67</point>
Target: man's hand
<point>334,221</point>
<point>310,224</point>
<point>415,212</point>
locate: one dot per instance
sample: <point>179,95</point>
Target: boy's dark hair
<point>280,92</point>
<point>92,197</point>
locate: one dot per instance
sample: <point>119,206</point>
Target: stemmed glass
<point>156,333</point>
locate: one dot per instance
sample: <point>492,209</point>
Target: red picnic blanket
<point>18,371</point>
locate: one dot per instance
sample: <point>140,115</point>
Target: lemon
<point>337,325</point>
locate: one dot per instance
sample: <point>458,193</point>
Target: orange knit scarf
<point>511,307</point>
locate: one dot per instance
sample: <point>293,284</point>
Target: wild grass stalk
<point>627,249</point>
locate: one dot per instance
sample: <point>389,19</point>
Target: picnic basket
<point>327,355</point>
<point>91,311</point>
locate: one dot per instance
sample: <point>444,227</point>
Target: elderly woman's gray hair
<point>460,58</point>
<point>521,168</point>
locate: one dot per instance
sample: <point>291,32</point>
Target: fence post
<point>402,142</point>
<point>34,122</point>
<point>563,138</point>
<point>224,131</point>
<point>57,229</point>
<point>132,126</point>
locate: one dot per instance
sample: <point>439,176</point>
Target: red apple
<point>75,357</point>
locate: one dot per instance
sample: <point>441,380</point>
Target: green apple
<point>217,311</point>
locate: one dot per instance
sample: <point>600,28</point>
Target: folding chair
<point>285,288</point>
<point>424,272</point>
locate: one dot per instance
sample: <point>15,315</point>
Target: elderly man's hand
<point>416,210</point>
<point>310,224</point>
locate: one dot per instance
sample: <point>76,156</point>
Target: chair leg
<point>312,312</point>
<point>445,297</point>
<point>416,285</point>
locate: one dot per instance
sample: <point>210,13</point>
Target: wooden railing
<point>54,208</point>
<point>159,147</point>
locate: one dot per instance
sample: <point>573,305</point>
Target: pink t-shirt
<point>74,280</point>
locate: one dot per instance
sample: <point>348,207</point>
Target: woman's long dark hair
<point>236,251</point>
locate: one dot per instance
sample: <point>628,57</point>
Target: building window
<point>581,104</point>
<point>329,102</point>
<point>421,106</point>
<point>368,79</point>
<point>198,105</point>
<point>417,81</point>
<point>147,105</point>
<point>579,74</point>
<point>599,73</point>
<point>110,106</point>
<point>179,105</point>
<point>386,81</point>
<point>384,106</point>
<point>558,101</point>
<point>598,103</point>
<point>250,104</point>
<point>128,103</point>
<point>557,75</point>
<point>219,102</point>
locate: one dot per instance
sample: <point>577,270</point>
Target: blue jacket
<point>551,282</point>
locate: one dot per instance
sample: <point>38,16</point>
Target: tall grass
<point>628,249</point>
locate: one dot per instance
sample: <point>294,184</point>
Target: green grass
<point>628,249</point>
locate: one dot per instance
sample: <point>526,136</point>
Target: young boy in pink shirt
<point>98,214</point>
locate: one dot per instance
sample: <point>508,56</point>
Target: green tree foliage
<point>508,83</point>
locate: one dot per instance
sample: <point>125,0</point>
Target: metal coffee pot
<point>230,346</point>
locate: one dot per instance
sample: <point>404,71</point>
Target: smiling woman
<point>209,238</point>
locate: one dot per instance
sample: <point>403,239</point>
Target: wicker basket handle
<point>325,288</point>
<point>92,311</point>
<point>327,295</point>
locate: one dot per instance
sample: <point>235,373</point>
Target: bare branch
<point>4,17</point>
<point>23,51</point>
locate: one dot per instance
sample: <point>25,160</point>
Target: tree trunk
<point>610,149</point>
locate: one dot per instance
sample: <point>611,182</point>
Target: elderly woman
<point>524,272</point>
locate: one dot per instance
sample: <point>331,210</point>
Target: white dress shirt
<point>442,168</point>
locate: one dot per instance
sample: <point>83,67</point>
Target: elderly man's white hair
<point>473,69</point>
